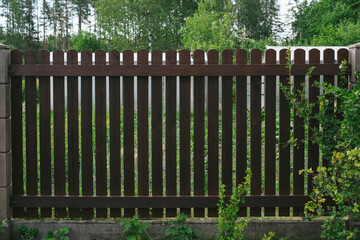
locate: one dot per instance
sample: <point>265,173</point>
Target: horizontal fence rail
<point>153,140</point>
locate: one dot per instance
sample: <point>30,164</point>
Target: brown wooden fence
<point>160,158</point>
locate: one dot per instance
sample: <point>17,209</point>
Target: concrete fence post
<point>354,52</point>
<point>5,133</point>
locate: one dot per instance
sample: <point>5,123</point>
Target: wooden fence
<point>160,158</point>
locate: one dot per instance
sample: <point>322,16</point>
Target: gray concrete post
<point>354,52</point>
<point>5,134</point>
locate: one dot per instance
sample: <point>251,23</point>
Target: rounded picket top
<point>100,57</point>
<point>329,55</point>
<point>171,56</point>
<point>128,56</point>
<point>72,57</point>
<point>30,56</point>
<point>270,56</point>
<point>114,57</point>
<point>343,54</point>
<point>143,57</point>
<point>44,56</point>
<point>213,56</point>
<point>255,56</point>
<point>86,57</point>
<point>314,56</point>
<point>283,55</point>
<point>299,56</point>
<point>156,57</point>
<point>16,57</point>
<point>241,56</point>
<point>199,56</point>
<point>184,56</point>
<point>227,56</point>
<point>58,57</point>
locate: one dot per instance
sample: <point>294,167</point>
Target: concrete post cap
<point>356,45</point>
<point>2,46</point>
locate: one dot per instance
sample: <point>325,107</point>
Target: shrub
<point>180,230</point>
<point>227,223</point>
<point>133,229</point>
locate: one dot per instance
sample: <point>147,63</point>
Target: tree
<point>210,28</point>
<point>257,19</point>
<point>82,8</point>
<point>314,19</point>
<point>143,24</point>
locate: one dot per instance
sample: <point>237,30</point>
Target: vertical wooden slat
<point>156,133</point>
<point>284,137</point>
<point>270,131</point>
<point>199,133</point>
<point>226,139</point>
<point>31,134</point>
<point>143,132</point>
<point>314,91</point>
<point>128,96</point>
<point>86,134</point>
<point>299,135</point>
<point>343,54</point>
<point>73,132</point>
<point>185,130</point>
<point>17,134</point>
<point>100,125</point>
<point>329,57</point>
<point>241,125</point>
<point>171,133</point>
<point>45,141</point>
<point>59,132</point>
<point>213,131</point>
<point>115,140</point>
<point>255,116</point>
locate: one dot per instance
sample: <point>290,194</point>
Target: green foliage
<point>86,40</point>
<point>133,229</point>
<point>180,230</point>
<point>143,24</point>
<point>344,34</point>
<point>60,234</point>
<point>339,139</point>
<point>210,28</point>
<point>315,20</point>
<point>228,225</point>
<point>28,233</point>
<point>2,230</point>
<point>269,236</point>
<point>257,19</point>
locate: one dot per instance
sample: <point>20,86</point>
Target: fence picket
<point>226,116</point>
<point>17,133</point>
<point>171,133</point>
<point>199,133</point>
<point>156,133</point>
<point>270,131</point>
<point>314,92</point>
<point>213,131</point>
<point>255,118</point>
<point>143,132</point>
<point>241,125</point>
<point>128,98</point>
<point>115,133</point>
<point>185,130</point>
<point>284,137</point>
<point>86,134</point>
<point>299,136</point>
<point>59,133</point>
<point>45,140</point>
<point>31,134</point>
<point>73,132</point>
<point>100,125</point>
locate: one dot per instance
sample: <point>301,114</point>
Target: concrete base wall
<point>106,230</point>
